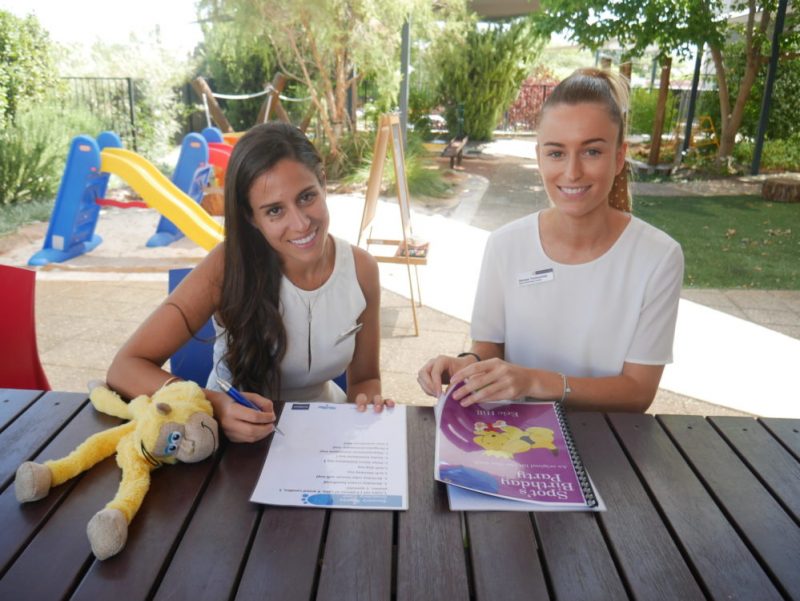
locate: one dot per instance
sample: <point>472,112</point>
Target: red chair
<point>19,356</point>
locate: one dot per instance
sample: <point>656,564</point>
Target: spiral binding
<point>580,470</point>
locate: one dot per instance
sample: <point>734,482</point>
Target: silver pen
<point>349,332</point>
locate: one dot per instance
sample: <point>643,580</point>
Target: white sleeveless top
<point>316,352</point>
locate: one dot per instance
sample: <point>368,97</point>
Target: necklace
<point>310,308</point>
<point>309,315</point>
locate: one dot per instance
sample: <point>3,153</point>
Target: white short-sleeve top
<point>316,351</point>
<point>584,320</point>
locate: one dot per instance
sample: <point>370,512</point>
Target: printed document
<point>331,455</point>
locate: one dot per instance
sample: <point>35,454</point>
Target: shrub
<point>481,75</point>
<point>33,151</point>
<point>355,151</point>
<point>534,91</point>
<point>643,111</point>
<point>422,180</point>
<point>421,103</point>
<point>776,155</point>
<point>26,151</point>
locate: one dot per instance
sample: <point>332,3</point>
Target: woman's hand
<point>439,371</point>
<point>493,380</point>
<point>378,402</point>
<point>240,423</point>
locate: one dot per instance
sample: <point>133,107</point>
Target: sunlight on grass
<point>731,241</point>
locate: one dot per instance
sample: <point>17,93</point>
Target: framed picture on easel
<point>405,250</point>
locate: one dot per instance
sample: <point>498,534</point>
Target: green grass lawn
<point>731,241</point>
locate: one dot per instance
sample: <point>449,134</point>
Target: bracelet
<point>567,390</point>
<point>170,381</point>
<point>470,354</point>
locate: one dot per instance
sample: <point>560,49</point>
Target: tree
<point>782,117</point>
<point>27,66</point>
<point>157,72</point>
<point>236,64</point>
<point>330,45</point>
<point>482,74</point>
<point>675,26</point>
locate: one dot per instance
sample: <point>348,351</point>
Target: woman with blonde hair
<point>577,302</point>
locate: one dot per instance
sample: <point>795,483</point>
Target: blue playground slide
<point>74,218</point>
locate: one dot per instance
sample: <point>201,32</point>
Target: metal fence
<point>111,99</point>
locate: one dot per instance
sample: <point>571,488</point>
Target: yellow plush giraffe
<point>176,424</point>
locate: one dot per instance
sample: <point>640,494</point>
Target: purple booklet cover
<point>520,451</point>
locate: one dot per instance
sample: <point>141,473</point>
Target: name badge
<point>535,277</point>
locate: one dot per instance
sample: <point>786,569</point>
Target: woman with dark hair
<point>293,307</point>
<point>576,302</point>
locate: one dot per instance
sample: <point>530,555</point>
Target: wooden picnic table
<point>698,508</point>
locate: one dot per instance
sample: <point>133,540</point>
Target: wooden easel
<point>404,253</point>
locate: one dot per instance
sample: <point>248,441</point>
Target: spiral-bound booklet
<point>510,457</point>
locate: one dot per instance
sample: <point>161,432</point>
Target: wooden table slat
<point>771,533</point>
<point>174,490</point>
<point>785,430</point>
<point>27,434</point>
<point>431,560</point>
<point>776,467</point>
<point>212,552</point>
<point>13,402</point>
<point>357,563</point>
<point>709,541</point>
<point>514,566</point>
<point>577,558</point>
<point>651,564</point>
<point>19,521</point>
<point>282,563</point>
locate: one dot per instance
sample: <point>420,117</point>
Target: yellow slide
<point>162,195</point>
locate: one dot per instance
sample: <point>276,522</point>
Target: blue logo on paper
<point>344,500</point>
<point>300,407</point>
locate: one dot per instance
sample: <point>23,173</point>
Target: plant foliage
<point>524,112</point>
<point>327,46</point>
<point>27,65</point>
<point>236,63</point>
<point>480,75</point>
<point>33,150</point>
<point>159,76</point>
<point>783,122</point>
<point>679,26</point>
<point>643,110</point>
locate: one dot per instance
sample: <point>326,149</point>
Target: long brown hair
<point>609,89</point>
<point>250,297</point>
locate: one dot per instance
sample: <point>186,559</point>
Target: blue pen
<point>237,396</point>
